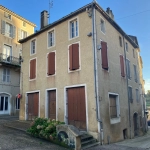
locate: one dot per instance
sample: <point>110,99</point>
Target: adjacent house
<point>13,28</point>
<point>83,69</point>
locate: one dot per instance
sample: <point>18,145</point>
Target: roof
<point>82,9</point>
<point>17,16</point>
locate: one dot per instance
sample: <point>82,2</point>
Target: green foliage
<point>44,128</point>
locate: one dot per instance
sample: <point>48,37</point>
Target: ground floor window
<point>17,103</point>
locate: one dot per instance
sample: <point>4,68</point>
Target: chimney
<point>110,13</point>
<point>44,19</point>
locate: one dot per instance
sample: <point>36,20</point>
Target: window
<point>8,29</point>
<point>17,103</point>
<point>114,108</point>
<point>74,57</point>
<point>126,46</point>
<point>128,68</point>
<point>135,73</point>
<point>33,69</point>
<point>51,41</point>
<point>122,66</point>
<point>33,46</point>
<point>73,28</point>
<point>133,53</point>
<point>7,15</point>
<point>23,34</point>
<point>24,24</point>
<point>104,55</point>
<point>120,41</point>
<point>140,121</point>
<point>51,64</point>
<point>102,25</point>
<point>130,94</point>
<point>7,53</point>
<point>6,75</point>
<point>137,95</point>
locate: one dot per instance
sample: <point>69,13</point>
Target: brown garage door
<point>52,104</point>
<point>33,105</point>
<point>76,107</point>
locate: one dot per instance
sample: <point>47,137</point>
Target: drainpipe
<point>96,74</point>
<point>127,86</point>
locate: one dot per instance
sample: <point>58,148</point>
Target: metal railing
<point>6,59</point>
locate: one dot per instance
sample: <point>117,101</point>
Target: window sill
<point>73,38</point>
<point>48,47</point>
<point>115,120</point>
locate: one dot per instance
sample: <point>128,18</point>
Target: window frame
<point>130,94</point>
<point>54,41</point>
<point>128,69</point>
<point>137,95</point>
<point>120,41</point>
<point>126,46</point>
<point>117,119</point>
<point>133,53</point>
<point>22,31</point>
<point>6,75</point>
<point>75,19</point>
<point>123,66</point>
<point>104,25</point>
<point>47,64</point>
<point>69,71</point>
<point>135,73</point>
<point>31,53</point>
<point>16,104</point>
<point>35,71</point>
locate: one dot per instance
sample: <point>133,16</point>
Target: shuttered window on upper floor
<point>122,66</point>
<point>33,69</point>
<point>130,94</point>
<point>74,56</point>
<point>8,29</point>
<point>51,63</point>
<point>104,55</point>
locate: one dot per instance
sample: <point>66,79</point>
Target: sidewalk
<point>18,125</point>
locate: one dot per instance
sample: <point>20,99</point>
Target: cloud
<point>147,85</point>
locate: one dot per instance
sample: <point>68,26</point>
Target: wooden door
<point>52,104</point>
<point>135,121</point>
<point>33,105</point>
<point>76,107</point>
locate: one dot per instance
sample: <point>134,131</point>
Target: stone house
<point>83,69</point>
<point>13,28</point>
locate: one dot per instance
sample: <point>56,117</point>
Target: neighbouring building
<point>83,69</point>
<point>13,28</point>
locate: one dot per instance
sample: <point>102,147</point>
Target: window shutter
<point>122,66</point>
<point>104,55</point>
<point>14,31</point>
<point>3,27</point>
<point>70,57</point>
<point>75,53</point>
<point>11,31</point>
<point>19,34</point>
<point>51,63</point>
<point>33,69</point>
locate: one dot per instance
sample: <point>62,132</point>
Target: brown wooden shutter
<point>122,66</point>
<point>74,56</point>
<point>32,68</point>
<point>51,63</point>
<point>104,55</point>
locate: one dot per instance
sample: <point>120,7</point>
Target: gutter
<point>127,86</point>
<point>96,75</point>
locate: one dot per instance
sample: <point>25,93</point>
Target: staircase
<point>88,141</point>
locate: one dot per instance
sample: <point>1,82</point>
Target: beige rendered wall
<point>62,77</point>
<point>111,81</point>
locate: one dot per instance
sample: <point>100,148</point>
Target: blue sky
<point>133,16</point>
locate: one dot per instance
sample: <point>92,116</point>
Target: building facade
<point>13,28</point>
<point>85,72</point>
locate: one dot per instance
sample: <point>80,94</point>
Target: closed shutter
<point>19,34</point>
<point>33,69</point>
<point>74,56</point>
<point>3,27</point>
<point>122,66</point>
<point>11,31</point>
<point>51,63</point>
<point>14,31</point>
<point>104,55</point>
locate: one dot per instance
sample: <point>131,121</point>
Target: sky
<point>133,16</point>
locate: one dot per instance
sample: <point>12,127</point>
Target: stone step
<point>88,141</point>
<point>90,145</point>
<point>86,137</point>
